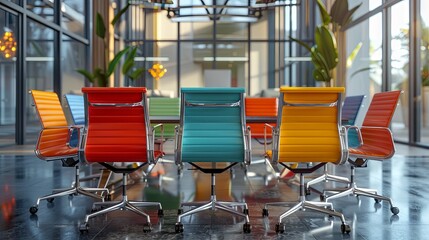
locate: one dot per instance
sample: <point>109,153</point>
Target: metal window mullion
<point>414,76</point>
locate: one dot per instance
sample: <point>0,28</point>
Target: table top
<point>176,119</point>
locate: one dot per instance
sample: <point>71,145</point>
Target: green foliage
<point>324,53</point>
<point>100,76</point>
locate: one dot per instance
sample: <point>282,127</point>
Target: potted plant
<point>100,76</point>
<point>324,52</point>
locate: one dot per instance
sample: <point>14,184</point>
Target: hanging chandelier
<point>8,44</point>
<point>214,10</point>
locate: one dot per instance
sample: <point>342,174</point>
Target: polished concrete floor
<point>405,178</point>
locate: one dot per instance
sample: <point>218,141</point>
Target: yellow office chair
<point>308,130</point>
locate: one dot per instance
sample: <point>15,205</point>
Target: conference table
<point>106,174</point>
<point>176,119</point>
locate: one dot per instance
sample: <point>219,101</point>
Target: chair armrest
<point>354,128</point>
<point>248,146</point>
<point>344,145</point>
<point>266,126</point>
<point>152,140</point>
<point>177,145</point>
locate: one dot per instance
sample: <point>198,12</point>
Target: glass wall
<point>49,49</point>
<point>73,56</point>
<point>40,69</point>
<point>424,71</point>
<point>73,16</point>
<point>399,62</point>
<point>385,59</point>
<point>8,51</point>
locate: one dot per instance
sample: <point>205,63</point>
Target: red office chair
<point>117,132</point>
<point>377,144</point>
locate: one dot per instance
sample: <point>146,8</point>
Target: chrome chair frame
<point>213,203</point>
<point>123,203</point>
<point>303,204</point>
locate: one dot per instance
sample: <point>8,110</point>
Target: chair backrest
<point>77,109</point>
<point>349,112</point>
<point>53,141</point>
<point>350,109</point>
<point>165,107</point>
<point>117,125</point>
<point>377,138</point>
<point>213,125</point>
<point>309,125</point>
<point>261,107</point>
<point>380,111</point>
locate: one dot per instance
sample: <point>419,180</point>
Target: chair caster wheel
<point>376,200</point>
<point>345,228</point>
<point>178,227</point>
<point>280,228</point>
<point>83,228</point>
<point>394,210</point>
<point>322,198</point>
<point>70,196</point>
<point>33,209</point>
<point>95,209</point>
<point>265,212</point>
<point>246,211</point>
<point>147,228</point>
<point>160,213</point>
<point>247,228</point>
<point>50,200</point>
<point>179,211</point>
<point>307,191</point>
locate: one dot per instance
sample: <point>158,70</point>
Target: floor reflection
<point>404,178</point>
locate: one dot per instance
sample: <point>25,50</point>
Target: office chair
<point>54,144</point>
<point>75,105</point>
<point>212,132</point>
<point>266,110</point>
<point>165,107</point>
<point>118,132</point>
<point>308,130</point>
<point>349,112</point>
<point>376,144</point>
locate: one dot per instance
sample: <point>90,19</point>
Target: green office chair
<point>213,132</point>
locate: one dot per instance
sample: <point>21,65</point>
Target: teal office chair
<point>349,113</point>
<point>213,132</point>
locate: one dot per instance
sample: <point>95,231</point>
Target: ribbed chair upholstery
<point>54,144</point>
<point>258,107</point>
<point>165,107</point>
<point>349,113</point>
<point>308,130</point>
<point>377,144</point>
<point>76,106</point>
<point>213,132</point>
<point>118,132</point>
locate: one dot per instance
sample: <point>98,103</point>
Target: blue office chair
<point>213,132</point>
<point>349,113</point>
<point>76,106</point>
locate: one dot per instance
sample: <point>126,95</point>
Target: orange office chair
<point>53,144</point>
<point>377,144</point>
<point>308,130</point>
<point>118,131</point>
<point>265,110</point>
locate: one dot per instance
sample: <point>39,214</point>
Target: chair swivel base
<point>372,193</point>
<point>324,178</point>
<point>353,189</point>
<point>213,204</point>
<point>123,204</point>
<point>76,189</point>
<point>322,207</point>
